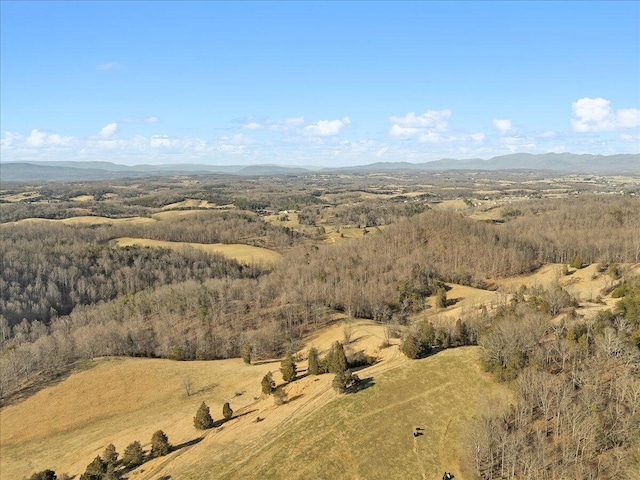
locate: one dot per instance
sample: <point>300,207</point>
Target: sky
<point>316,83</point>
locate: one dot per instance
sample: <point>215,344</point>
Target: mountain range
<point>551,162</point>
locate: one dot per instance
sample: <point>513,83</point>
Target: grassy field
<point>117,400</point>
<point>315,434</point>
<point>364,435</point>
<point>246,254</point>
<point>86,220</point>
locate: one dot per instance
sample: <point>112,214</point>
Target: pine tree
<point>314,363</point>
<point>227,412</point>
<point>268,384</point>
<point>288,369</point>
<point>159,444</point>
<point>203,420</point>
<point>97,468</point>
<point>112,473</point>
<point>110,455</point>
<point>133,455</point>
<point>337,360</point>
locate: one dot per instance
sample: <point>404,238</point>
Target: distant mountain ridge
<point>552,162</point>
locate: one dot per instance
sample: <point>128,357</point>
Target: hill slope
<point>316,434</point>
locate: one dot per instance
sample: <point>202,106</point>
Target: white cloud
<point>477,137</point>
<point>325,128</point>
<point>40,139</point>
<point>109,66</point>
<point>403,132</point>
<point>438,119</point>
<point>108,130</point>
<point>596,115</point>
<point>503,126</point>
<point>9,139</point>
<point>253,126</point>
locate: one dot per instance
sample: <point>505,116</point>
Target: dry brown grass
<point>86,220</point>
<point>364,435</point>
<point>246,254</point>
<point>117,400</point>
<point>83,198</point>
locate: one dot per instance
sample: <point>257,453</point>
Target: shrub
<point>203,420</point>
<point>246,352</point>
<point>44,475</point>
<point>159,444</point>
<point>344,381</point>
<point>576,262</point>
<point>227,412</point>
<point>441,298</point>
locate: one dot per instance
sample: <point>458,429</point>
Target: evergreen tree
<point>461,333</point>
<point>343,381</point>
<point>411,346</point>
<point>337,359</point>
<point>44,475</point>
<point>133,455</point>
<point>314,363</point>
<point>112,473</point>
<point>268,384</point>
<point>203,420</point>
<point>227,412</point>
<point>110,455</point>
<point>247,353</point>
<point>159,444</point>
<point>97,468</point>
<point>288,369</point>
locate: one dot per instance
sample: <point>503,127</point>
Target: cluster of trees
<point>108,467</point>
<point>46,271</point>
<point>423,337</point>
<point>203,419</point>
<point>591,227</point>
<point>577,396</point>
<point>226,226</point>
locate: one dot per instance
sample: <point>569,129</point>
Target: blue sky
<point>316,83</point>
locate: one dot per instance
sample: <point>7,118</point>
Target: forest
<point>69,293</point>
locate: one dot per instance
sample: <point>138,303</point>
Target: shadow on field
<point>362,385</point>
<point>190,443</point>
<point>222,421</point>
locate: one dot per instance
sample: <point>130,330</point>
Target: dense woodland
<point>577,393</point>
<point>68,293</point>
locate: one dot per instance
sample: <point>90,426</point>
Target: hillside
<point>367,434</point>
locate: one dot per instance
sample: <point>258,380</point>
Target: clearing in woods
<point>246,254</point>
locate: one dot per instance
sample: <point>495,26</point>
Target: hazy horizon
<point>316,84</point>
